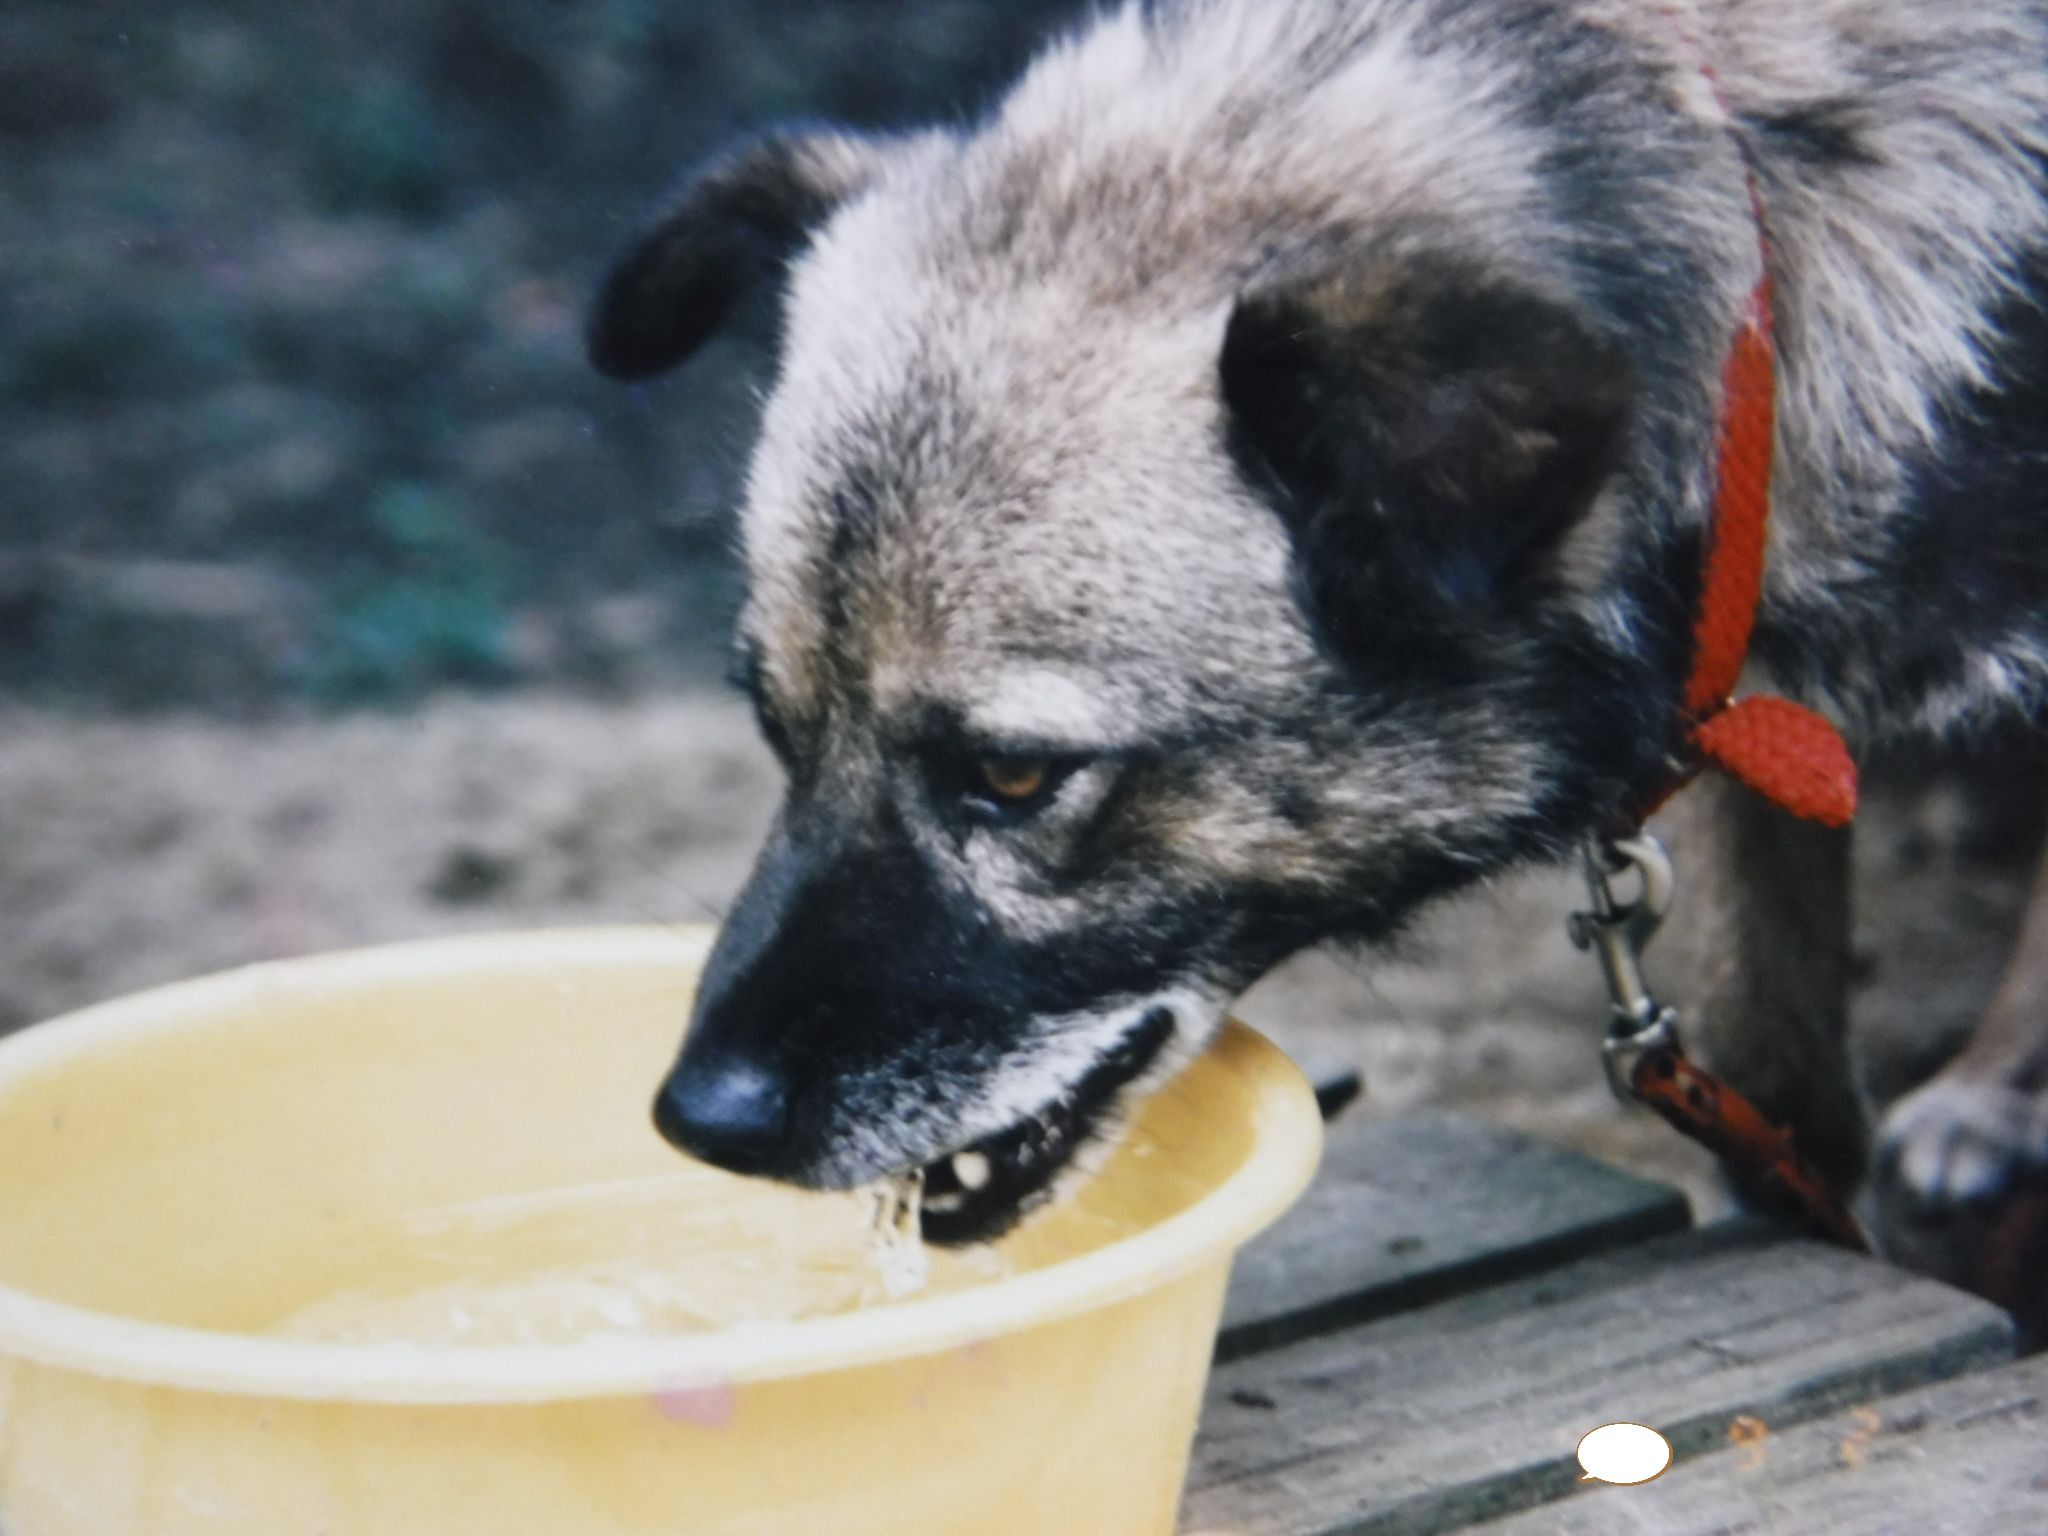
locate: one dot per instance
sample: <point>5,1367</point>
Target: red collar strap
<point>1793,757</point>
<point>1787,753</point>
<point>1783,751</point>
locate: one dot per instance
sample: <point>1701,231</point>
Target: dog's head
<point>1145,580</point>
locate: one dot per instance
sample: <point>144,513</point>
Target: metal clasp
<point>1617,931</point>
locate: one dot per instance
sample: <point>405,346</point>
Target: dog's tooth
<point>971,1169</point>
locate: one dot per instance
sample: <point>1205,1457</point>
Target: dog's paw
<point>1963,1141</point>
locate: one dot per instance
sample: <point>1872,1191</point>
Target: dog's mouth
<point>981,1191</point>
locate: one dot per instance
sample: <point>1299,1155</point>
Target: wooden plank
<point>1472,1408</point>
<point>1966,1458</point>
<point>1414,1208</point>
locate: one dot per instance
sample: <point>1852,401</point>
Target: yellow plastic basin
<point>178,1168</point>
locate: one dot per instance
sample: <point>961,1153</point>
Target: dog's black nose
<point>734,1115</point>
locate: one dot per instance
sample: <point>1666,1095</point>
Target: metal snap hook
<point>1616,931</point>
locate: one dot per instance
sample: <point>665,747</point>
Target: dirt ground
<point>135,852</point>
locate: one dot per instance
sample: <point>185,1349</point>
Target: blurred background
<point>340,602</point>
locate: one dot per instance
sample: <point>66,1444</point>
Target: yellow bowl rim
<point>1287,1143</point>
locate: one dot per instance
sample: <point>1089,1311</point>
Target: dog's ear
<point>1431,436</point>
<point>729,227</point>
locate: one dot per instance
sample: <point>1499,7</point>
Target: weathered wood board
<point>1413,1208</point>
<point>1471,1408</point>
<point>1966,1458</point>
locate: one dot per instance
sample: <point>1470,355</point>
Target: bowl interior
<point>221,1154</point>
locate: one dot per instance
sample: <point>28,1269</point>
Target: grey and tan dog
<point>1253,482</point>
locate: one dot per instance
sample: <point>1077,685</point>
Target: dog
<point>1253,482</point>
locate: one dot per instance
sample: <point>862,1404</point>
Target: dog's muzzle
<point>738,1115</point>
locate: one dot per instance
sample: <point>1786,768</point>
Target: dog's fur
<point>1294,420</point>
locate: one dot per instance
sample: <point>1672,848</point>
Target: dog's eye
<point>1002,788</point>
<point>1014,780</point>
<point>994,784</point>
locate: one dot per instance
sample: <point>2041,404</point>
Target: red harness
<point>1788,754</point>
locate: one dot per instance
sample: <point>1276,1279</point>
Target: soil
<point>139,851</point>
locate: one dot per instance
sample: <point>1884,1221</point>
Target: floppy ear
<point>1431,435</point>
<point>729,227</point>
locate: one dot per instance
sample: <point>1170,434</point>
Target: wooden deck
<point>1419,1346</point>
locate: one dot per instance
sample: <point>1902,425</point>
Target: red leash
<point>1792,756</point>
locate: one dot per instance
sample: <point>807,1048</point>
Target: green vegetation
<point>292,397</point>
<point>429,609</point>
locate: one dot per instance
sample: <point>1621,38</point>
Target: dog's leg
<point>1763,920</point>
<point>1962,1174</point>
